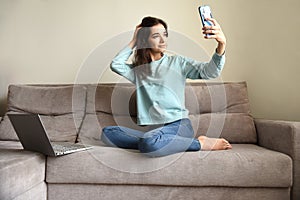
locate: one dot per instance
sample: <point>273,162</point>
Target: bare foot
<point>213,143</point>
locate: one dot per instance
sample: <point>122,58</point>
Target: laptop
<point>33,136</point>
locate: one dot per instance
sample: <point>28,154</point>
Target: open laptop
<point>33,136</point>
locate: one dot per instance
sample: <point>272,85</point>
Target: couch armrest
<point>282,136</point>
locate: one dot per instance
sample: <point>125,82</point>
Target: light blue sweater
<point>160,85</point>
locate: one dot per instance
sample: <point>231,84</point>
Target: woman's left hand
<point>215,32</point>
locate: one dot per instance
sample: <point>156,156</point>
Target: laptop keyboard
<point>64,147</point>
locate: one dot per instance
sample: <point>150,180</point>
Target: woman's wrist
<point>132,44</point>
<point>221,48</point>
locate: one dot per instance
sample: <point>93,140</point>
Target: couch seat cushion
<point>246,165</point>
<point>20,170</point>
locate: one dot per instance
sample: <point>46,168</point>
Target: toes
<point>226,144</point>
<point>214,143</point>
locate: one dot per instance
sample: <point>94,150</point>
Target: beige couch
<point>263,164</point>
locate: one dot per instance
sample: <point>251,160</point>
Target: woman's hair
<point>142,54</point>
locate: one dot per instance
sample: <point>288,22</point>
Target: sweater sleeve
<point>204,70</point>
<point>119,65</point>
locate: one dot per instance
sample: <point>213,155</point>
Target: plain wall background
<point>47,41</point>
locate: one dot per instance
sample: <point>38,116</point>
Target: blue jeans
<point>168,139</point>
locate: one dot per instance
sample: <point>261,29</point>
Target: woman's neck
<point>156,56</point>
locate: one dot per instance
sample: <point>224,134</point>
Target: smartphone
<point>205,12</point>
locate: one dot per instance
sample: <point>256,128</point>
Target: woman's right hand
<point>132,43</point>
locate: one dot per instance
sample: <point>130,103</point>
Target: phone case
<point>205,12</point>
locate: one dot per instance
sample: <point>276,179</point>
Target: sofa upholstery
<point>224,105</point>
<point>282,136</point>
<point>22,173</point>
<point>263,164</point>
<point>227,168</point>
<point>61,109</point>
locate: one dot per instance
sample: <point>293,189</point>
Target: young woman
<point>160,84</point>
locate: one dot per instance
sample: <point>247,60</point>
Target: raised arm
<point>215,32</point>
<point>213,68</point>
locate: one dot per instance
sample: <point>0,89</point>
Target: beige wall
<point>47,41</point>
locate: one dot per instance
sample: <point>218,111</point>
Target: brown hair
<point>142,54</point>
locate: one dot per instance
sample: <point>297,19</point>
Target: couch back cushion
<point>61,108</point>
<point>221,110</point>
<point>108,105</point>
<point>216,110</point>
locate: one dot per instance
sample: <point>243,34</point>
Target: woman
<point>160,84</point>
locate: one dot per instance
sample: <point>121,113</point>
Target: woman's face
<point>158,38</point>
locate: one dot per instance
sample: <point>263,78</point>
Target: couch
<point>263,164</point>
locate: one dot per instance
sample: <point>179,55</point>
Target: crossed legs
<point>172,138</point>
